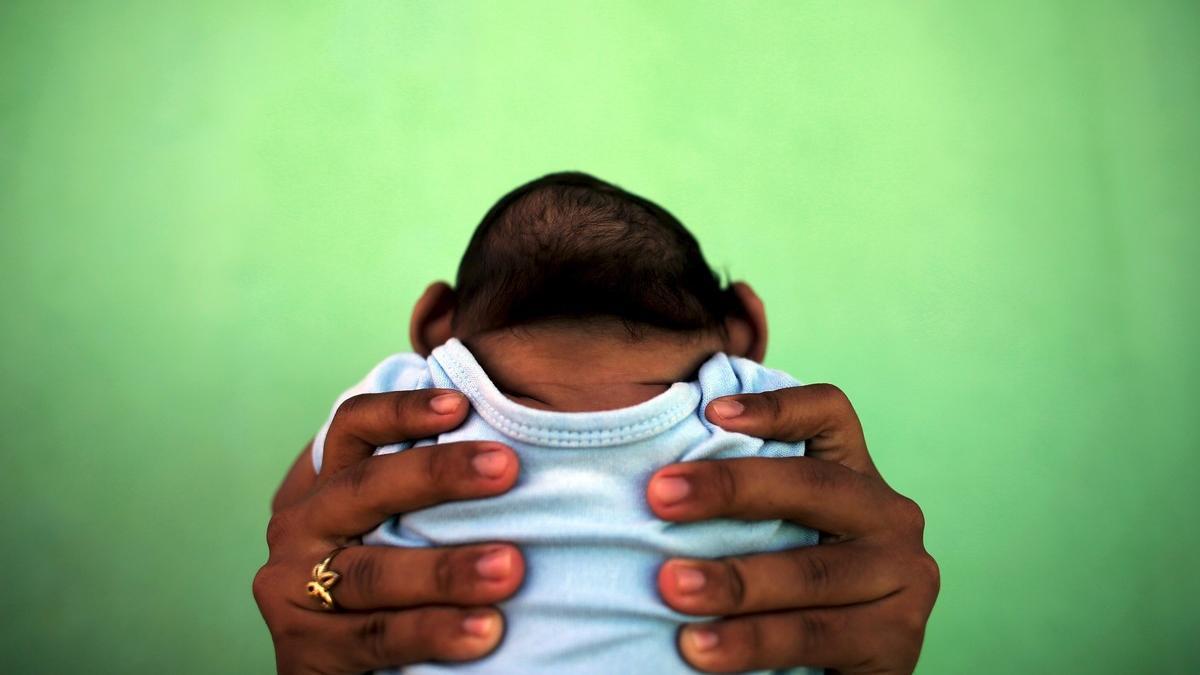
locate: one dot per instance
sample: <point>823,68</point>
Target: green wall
<point>981,219</point>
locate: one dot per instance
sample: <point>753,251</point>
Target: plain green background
<point>978,218</point>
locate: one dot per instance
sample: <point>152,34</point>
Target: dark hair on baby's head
<point>571,246</point>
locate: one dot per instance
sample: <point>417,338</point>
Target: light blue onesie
<point>592,547</point>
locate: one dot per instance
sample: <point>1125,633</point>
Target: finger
<point>813,492</point>
<point>371,491</point>
<point>367,421</point>
<point>847,638</point>
<point>819,414</point>
<point>812,576</point>
<point>381,577</point>
<point>378,640</point>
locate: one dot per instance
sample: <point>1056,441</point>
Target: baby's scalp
<point>569,246</point>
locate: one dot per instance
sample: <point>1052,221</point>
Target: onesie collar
<point>563,429</point>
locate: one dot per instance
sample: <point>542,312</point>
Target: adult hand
<point>858,603</point>
<point>395,606</point>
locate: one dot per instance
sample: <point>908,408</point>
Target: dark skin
<point>857,604</point>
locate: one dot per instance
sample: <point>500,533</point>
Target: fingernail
<point>727,409</point>
<point>671,489</point>
<point>479,624</point>
<point>490,464</point>
<point>494,564</point>
<point>445,403</point>
<point>703,639</point>
<point>688,579</point>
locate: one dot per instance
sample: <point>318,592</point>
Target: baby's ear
<point>746,325</point>
<point>432,317</point>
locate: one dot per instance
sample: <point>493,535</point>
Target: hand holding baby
<point>858,603</point>
<point>396,606</point>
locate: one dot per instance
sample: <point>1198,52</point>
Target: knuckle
<point>843,420</point>
<point>895,644</point>
<point>263,585</point>
<point>911,515</point>
<point>735,573</point>
<point>834,394</point>
<point>930,571</point>
<point>373,637</point>
<point>404,403</point>
<point>814,629</point>
<point>351,406</point>
<point>364,573</point>
<point>816,474</point>
<point>746,648</point>
<point>278,528</point>
<point>443,575</point>
<point>357,476</point>
<point>912,623</point>
<point>755,641</point>
<point>441,468</point>
<point>813,570</point>
<point>724,481</point>
<point>774,403</point>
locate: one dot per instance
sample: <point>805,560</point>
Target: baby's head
<point>570,252</point>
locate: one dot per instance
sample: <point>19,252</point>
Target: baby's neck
<point>571,367</point>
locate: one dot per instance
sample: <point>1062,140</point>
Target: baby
<point>589,334</point>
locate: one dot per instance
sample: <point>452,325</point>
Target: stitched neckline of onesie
<point>564,429</point>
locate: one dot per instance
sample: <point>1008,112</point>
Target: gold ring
<point>323,580</point>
